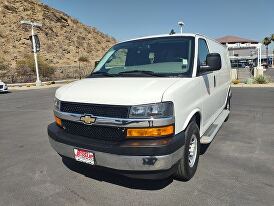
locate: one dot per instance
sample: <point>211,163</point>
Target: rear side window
<point>202,52</point>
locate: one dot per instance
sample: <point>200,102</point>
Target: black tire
<point>185,171</point>
<point>228,107</point>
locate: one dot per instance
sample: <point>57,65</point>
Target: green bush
<point>260,79</point>
<point>249,81</point>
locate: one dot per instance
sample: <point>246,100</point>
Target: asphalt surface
<point>236,169</point>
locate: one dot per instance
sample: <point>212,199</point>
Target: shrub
<point>83,59</point>
<point>2,34</point>
<point>236,81</point>
<point>26,67</point>
<point>3,66</point>
<point>4,70</point>
<point>260,79</point>
<point>249,81</point>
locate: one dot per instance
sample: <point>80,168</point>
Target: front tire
<point>188,164</point>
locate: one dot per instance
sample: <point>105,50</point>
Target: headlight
<point>157,110</point>
<point>57,104</point>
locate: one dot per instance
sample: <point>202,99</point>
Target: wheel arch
<point>195,114</point>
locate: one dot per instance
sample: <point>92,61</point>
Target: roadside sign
<point>36,43</point>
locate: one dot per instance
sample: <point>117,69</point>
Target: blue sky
<point>125,19</point>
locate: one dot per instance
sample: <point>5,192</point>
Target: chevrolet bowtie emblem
<point>87,119</point>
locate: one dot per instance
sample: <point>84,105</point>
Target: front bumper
<point>119,156</point>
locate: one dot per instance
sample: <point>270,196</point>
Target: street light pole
<point>38,81</point>
<point>181,25</point>
<point>34,24</point>
<point>273,59</point>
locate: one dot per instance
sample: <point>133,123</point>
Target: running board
<point>213,129</point>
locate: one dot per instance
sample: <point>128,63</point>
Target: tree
<point>266,42</point>
<point>272,39</point>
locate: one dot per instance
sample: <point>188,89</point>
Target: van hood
<point>116,91</point>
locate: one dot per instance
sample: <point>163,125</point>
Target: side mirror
<point>96,63</point>
<point>213,63</point>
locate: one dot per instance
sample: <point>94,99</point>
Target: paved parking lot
<point>236,169</point>
<point>270,73</point>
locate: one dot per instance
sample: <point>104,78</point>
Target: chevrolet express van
<point>147,107</point>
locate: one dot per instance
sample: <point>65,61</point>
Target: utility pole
<point>34,24</point>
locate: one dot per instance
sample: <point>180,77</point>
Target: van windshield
<point>165,56</point>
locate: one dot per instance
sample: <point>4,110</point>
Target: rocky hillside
<point>63,38</point>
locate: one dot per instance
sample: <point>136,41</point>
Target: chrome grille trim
<point>117,122</point>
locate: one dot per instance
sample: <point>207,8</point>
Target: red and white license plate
<point>85,156</point>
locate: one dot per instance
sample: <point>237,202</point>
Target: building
<point>245,52</point>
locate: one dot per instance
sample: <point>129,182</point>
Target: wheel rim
<point>192,151</point>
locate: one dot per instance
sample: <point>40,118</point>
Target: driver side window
<point>117,59</point>
<point>202,52</point>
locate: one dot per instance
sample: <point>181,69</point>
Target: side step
<point>213,129</point>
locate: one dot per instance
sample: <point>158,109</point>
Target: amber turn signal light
<point>150,132</point>
<point>58,121</point>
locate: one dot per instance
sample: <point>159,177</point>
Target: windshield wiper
<point>151,73</point>
<point>102,74</point>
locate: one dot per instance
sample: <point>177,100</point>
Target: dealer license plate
<point>84,156</point>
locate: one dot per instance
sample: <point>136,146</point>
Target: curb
<point>32,86</point>
<point>241,85</point>
<point>43,83</point>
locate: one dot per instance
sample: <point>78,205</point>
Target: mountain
<point>63,38</point>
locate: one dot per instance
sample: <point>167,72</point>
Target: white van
<point>147,107</point>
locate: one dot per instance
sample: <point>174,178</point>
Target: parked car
<point>147,107</point>
<point>3,87</point>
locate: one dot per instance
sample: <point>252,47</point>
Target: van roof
<point>173,35</point>
<point>161,35</point>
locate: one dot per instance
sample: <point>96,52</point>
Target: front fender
<point>189,117</point>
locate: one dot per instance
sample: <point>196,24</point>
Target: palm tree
<point>272,39</point>
<point>266,42</point>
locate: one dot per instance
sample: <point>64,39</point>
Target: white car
<point>3,87</point>
<point>147,107</point>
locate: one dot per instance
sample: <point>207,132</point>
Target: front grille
<point>1,86</point>
<point>95,109</point>
<point>94,131</point>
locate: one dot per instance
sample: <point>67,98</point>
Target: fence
<point>60,73</point>
<point>71,72</point>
